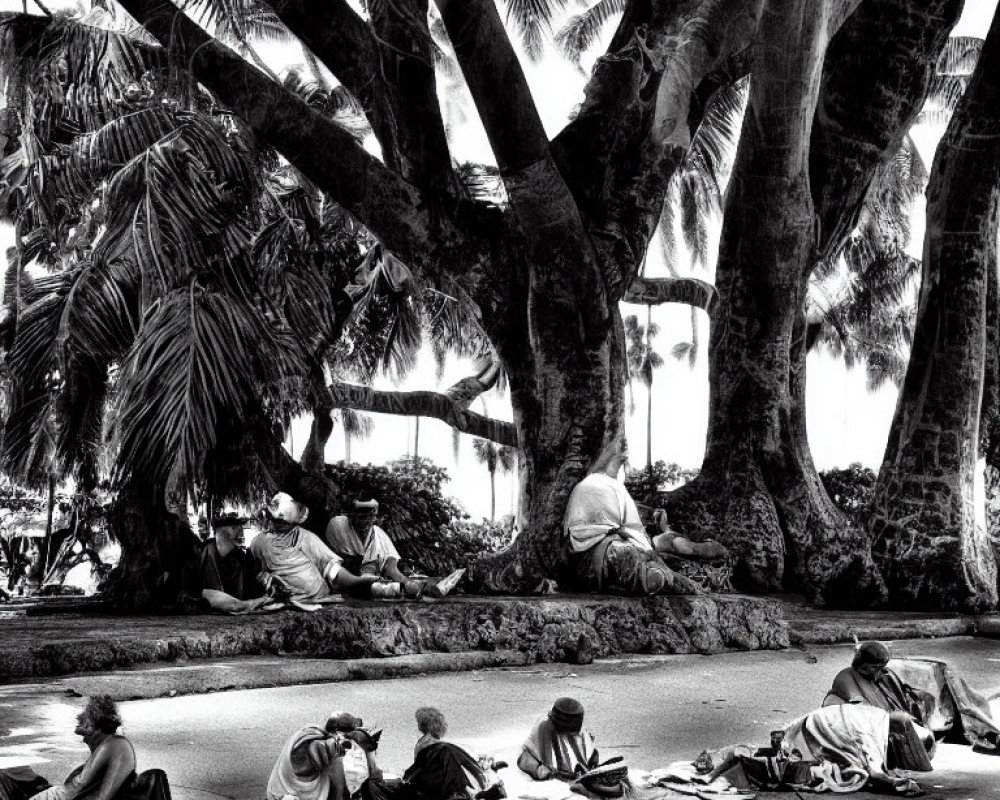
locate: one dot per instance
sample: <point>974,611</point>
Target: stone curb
<point>573,629</point>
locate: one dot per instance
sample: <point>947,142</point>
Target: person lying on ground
<point>110,768</point>
<point>310,765</point>
<point>366,549</point>
<point>311,571</point>
<point>667,540</point>
<point>928,690</point>
<point>559,746</point>
<point>229,573</point>
<point>607,546</point>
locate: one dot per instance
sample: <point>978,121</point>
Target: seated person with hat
<point>310,571</point>
<point>559,746</point>
<point>228,572</point>
<point>365,549</point>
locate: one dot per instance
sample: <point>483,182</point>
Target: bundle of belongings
<point>839,749</point>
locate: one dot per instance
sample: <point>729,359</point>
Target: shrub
<point>851,488</point>
<point>431,531</point>
<point>644,484</point>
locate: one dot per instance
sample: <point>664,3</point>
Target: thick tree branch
<point>637,119</point>
<point>689,291</point>
<point>544,210</point>
<point>498,85</point>
<point>868,101</point>
<point>392,209</point>
<point>389,67</point>
<point>466,390</point>
<point>424,404</point>
<point>406,64</point>
<point>346,45</point>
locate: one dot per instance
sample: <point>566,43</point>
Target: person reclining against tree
<point>607,547</point>
<point>108,773</point>
<point>559,746</point>
<point>229,573</point>
<point>309,569</point>
<point>366,549</point>
<point>933,695</point>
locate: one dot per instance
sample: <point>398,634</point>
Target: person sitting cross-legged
<point>366,549</point>
<point>559,746</point>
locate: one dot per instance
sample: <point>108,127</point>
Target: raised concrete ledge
<point>557,628</point>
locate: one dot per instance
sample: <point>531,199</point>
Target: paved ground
<point>652,710</point>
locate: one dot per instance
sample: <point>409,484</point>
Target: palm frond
<point>955,66</point>
<point>583,31</point>
<point>532,20</point>
<point>200,356</point>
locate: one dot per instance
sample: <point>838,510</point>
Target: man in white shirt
<point>365,549</point>
<point>608,548</point>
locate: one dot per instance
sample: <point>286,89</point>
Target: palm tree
<point>642,362</point>
<point>494,456</point>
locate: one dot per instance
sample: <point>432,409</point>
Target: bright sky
<point>846,423</point>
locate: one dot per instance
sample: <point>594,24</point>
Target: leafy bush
<point>644,484</point>
<point>851,488</point>
<point>431,531</point>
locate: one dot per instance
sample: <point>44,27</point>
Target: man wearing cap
<point>366,549</point>
<point>559,746</point>
<point>228,572</point>
<point>363,546</point>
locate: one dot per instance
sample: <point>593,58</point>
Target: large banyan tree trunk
<point>923,521</point>
<point>758,488</point>
<point>800,178</point>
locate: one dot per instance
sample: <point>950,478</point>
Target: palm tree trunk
<point>416,439</point>
<point>347,446</point>
<point>493,495</point>
<point>649,391</point>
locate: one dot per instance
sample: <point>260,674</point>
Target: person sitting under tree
<point>607,544</point>
<point>366,549</point>
<point>310,570</point>
<point>229,574</point>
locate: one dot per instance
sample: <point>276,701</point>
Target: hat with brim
<point>364,507</point>
<point>229,521</point>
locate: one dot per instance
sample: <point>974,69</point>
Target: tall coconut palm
<point>643,361</point>
<point>494,456</point>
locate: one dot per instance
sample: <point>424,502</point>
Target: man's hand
<point>322,752</point>
<point>544,772</point>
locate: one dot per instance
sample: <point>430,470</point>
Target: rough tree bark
<point>801,175</point>
<point>923,521</point>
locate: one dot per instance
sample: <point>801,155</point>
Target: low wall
<point>557,628</point>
